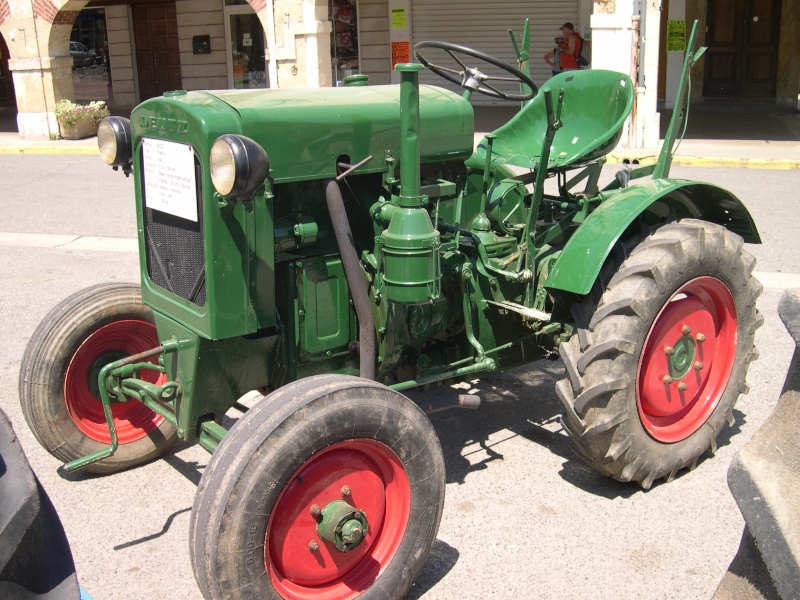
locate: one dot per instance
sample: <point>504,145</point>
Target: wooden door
<point>158,61</point>
<point>742,40</point>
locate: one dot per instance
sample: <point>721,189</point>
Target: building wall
<point>202,17</point>
<point>120,55</point>
<point>373,35</point>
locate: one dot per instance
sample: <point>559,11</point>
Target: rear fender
<point>583,256</point>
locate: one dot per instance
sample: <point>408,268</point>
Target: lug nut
<point>346,491</point>
<point>667,379</point>
<point>686,330</point>
<point>313,545</point>
<point>316,511</point>
<point>682,387</point>
<point>669,350</point>
<point>698,365</point>
<point>701,337</point>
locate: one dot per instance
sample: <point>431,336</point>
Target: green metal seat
<point>596,104</point>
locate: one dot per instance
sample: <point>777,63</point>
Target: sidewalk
<point>722,135</point>
<point>732,134</point>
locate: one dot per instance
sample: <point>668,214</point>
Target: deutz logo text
<point>163,124</point>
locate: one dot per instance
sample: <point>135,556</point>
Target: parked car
<point>81,55</point>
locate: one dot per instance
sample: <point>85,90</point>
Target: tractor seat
<point>596,104</point>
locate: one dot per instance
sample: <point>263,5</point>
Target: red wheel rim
<point>379,488</point>
<point>133,420</point>
<point>687,360</point>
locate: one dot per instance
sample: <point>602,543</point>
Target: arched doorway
<point>8,103</point>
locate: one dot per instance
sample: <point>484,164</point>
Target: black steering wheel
<point>471,78</point>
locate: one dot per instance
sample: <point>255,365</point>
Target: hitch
<point>115,380</point>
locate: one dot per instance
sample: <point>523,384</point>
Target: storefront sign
<point>676,36</point>
<point>398,18</point>
<point>401,53</point>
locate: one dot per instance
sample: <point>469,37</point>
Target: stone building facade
<point>155,45</point>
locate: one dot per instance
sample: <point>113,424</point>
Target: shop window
<point>88,47</point>
<point>344,38</point>
<point>247,49</point>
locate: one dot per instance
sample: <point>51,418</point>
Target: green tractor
<point>331,248</point>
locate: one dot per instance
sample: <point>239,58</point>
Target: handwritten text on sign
<point>169,184</point>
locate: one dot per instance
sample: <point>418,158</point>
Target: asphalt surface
<point>524,517</point>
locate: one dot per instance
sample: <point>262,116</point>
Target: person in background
<point>240,66</point>
<point>570,49</point>
<point>553,58</point>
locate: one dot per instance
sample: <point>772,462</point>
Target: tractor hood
<point>306,132</point>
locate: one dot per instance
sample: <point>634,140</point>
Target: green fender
<point>584,254</point>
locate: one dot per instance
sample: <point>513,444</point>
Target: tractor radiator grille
<point>175,251</point>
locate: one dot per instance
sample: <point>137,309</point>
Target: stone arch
<point>55,23</point>
<point>60,15</point>
<point>37,33</point>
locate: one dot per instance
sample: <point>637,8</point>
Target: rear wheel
<point>58,385</point>
<point>331,488</point>
<point>660,355</point>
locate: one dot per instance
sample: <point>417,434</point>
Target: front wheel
<point>330,488</point>
<point>657,364</point>
<point>58,387</point>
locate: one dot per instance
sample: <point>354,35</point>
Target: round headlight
<point>223,170</point>
<point>238,166</point>
<point>114,141</point>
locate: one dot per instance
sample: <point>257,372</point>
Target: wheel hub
<point>94,372</point>
<point>682,358</point>
<point>342,525</point>
<point>319,533</point>
<point>115,340</point>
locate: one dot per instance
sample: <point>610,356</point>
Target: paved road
<point>524,517</point>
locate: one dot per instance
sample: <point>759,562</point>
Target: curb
<point>782,164</point>
<point>48,150</point>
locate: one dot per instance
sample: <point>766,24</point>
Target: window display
<point>344,38</point>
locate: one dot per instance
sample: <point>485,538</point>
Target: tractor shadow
<point>521,403</point>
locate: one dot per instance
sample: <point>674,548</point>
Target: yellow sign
<point>676,36</point>
<point>398,18</point>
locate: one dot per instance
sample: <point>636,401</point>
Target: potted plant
<point>78,121</point>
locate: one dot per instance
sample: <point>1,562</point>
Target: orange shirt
<point>570,61</point>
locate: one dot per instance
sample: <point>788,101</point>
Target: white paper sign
<point>169,183</point>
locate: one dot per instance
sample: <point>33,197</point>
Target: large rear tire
<point>321,444</point>
<point>58,386</point>
<point>660,354</point>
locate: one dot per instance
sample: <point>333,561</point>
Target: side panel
<point>324,308</point>
<point>586,251</point>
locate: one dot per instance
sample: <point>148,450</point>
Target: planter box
<point>82,128</point>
